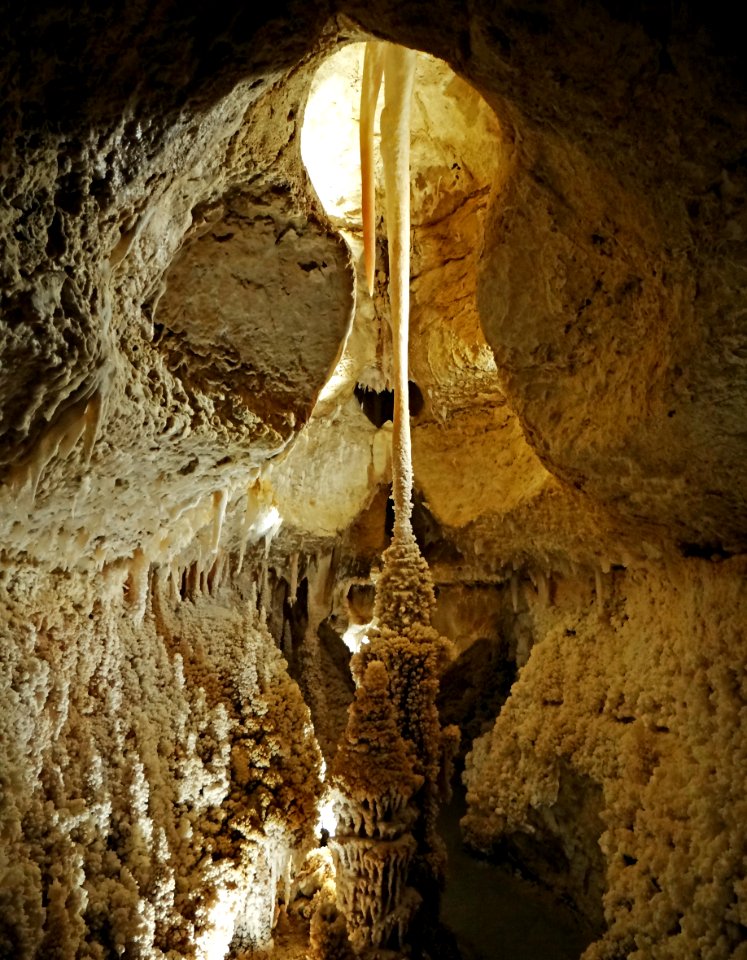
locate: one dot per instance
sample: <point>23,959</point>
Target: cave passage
<point>494,913</point>
<point>488,909</point>
<point>196,577</point>
<point>378,405</point>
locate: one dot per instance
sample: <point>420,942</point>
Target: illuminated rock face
<point>160,780</point>
<point>173,300</point>
<point>633,696</point>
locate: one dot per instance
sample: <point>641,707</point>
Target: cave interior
<point>318,642</point>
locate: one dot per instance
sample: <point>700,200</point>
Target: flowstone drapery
<point>390,772</point>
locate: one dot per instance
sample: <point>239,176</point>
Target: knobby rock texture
<point>193,504</point>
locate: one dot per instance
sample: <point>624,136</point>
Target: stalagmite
<point>320,575</point>
<point>373,783</point>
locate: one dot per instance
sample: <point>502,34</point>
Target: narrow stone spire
<point>373,70</point>
<point>390,770</point>
<point>399,75</point>
<point>397,66</point>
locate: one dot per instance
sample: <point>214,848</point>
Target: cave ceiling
<point>176,297</point>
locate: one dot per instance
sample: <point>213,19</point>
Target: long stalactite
<point>389,858</point>
<point>399,73</point>
<point>373,72</point>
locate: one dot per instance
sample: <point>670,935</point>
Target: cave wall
<point>635,685</point>
<point>160,778</point>
<point>173,299</point>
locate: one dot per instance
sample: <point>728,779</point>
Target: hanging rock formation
<point>398,668</point>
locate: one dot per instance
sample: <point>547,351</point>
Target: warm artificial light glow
<point>330,129</point>
<point>339,380</point>
<point>355,636</point>
<point>217,938</point>
<point>327,818</point>
<point>268,523</point>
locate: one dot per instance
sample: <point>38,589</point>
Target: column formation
<point>391,771</point>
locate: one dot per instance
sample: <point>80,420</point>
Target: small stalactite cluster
<point>390,773</point>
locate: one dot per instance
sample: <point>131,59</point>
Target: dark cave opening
<point>378,405</point>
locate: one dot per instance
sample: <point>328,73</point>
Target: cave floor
<point>488,912</point>
<point>497,915</point>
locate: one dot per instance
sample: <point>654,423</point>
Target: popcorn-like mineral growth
<point>373,786</point>
<point>158,780</point>
<point>649,703</point>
